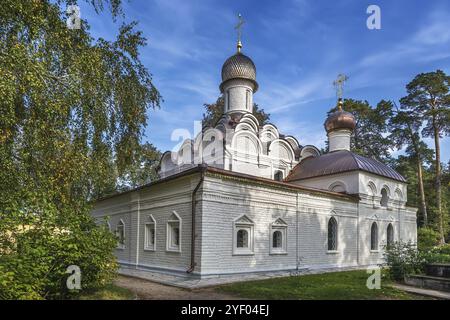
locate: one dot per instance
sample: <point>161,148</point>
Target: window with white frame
<point>173,241</point>
<point>243,236</point>
<point>278,237</point>
<point>120,233</point>
<point>374,237</point>
<point>150,234</point>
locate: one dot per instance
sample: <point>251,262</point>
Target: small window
<point>277,240</point>
<point>278,231</point>
<point>243,236</point>
<point>390,235</point>
<point>384,198</point>
<point>150,234</point>
<point>120,233</point>
<point>247,100</point>
<point>374,237</point>
<point>278,176</point>
<point>332,234</point>
<point>174,233</point>
<point>228,101</point>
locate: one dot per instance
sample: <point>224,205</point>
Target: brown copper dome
<point>340,120</point>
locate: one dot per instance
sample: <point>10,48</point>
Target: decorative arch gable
<point>309,151</point>
<point>247,142</point>
<point>282,150</point>
<point>338,186</point>
<point>371,188</point>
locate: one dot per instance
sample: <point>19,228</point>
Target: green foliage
<point>214,112</point>
<point>429,99</point>
<point>403,259</point>
<point>440,254</point>
<point>72,114</point>
<point>37,252</point>
<point>427,238</point>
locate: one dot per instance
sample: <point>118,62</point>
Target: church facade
<point>241,197</point>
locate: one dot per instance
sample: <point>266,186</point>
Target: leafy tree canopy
<point>72,114</point>
<point>370,135</point>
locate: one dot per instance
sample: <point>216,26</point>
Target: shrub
<point>439,254</point>
<point>427,238</point>
<point>403,259</point>
<point>35,258</point>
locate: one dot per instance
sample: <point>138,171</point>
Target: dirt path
<point>148,290</point>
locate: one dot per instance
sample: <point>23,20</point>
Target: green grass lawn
<point>349,285</point>
<point>109,292</point>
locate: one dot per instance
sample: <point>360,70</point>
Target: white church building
<point>244,198</point>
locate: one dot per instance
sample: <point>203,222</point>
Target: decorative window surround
<point>278,237</point>
<point>173,233</point>
<point>150,234</point>
<point>243,233</point>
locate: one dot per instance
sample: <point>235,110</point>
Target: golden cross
<point>238,27</point>
<point>339,85</point>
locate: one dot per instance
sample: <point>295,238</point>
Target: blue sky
<point>298,47</point>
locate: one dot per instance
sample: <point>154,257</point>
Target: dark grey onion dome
<point>338,162</point>
<point>239,66</point>
<point>340,120</point>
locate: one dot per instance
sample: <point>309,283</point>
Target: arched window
<point>120,233</point>
<point>243,236</point>
<point>173,233</point>
<point>374,236</point>
<point>384,197</point>
<point>332,234</point>
<point>390,235</point>
<point>278,176</point>
<point>278,240</point>
<point>150,234</point>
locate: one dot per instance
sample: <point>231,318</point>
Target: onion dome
<point>239,66</point>
<point>340,120</point>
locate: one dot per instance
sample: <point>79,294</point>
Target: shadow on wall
<point>313,240</point>
<point>312,230</point>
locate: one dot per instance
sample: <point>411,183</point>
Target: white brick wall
<point>222,200</point>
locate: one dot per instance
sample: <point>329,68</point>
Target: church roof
<point>338,162</point>
<point>235,175</point>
